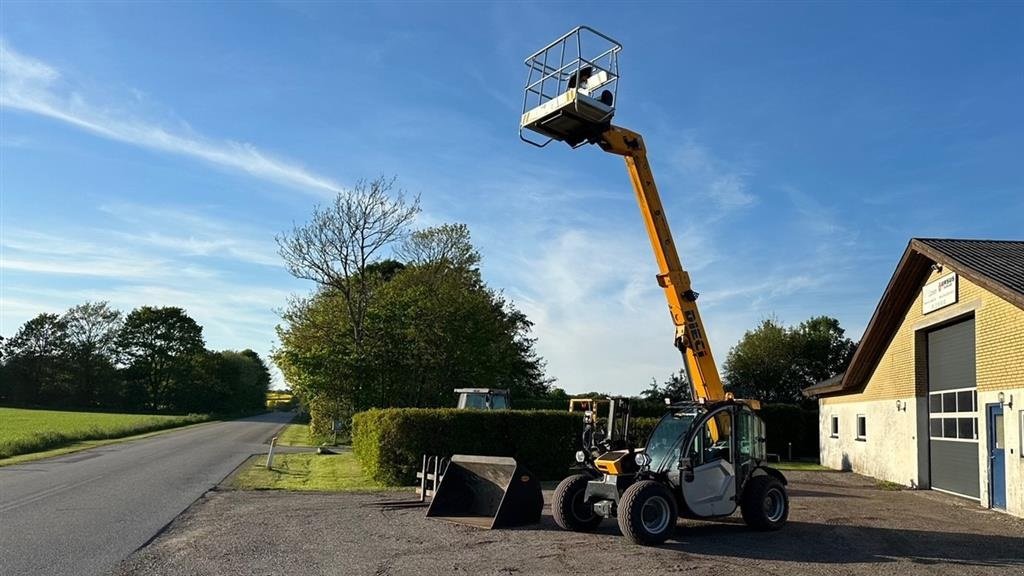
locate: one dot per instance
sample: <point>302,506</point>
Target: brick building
<point>934,395</point>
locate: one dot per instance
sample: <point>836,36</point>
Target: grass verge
<point>23,431</point>
<point>306,472</point>
<point>299,435</point>
<point>797,466</point>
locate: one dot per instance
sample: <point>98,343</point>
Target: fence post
<point>270,454</point>
<point>423,480</point>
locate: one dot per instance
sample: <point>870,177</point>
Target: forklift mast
<point>570,97</point>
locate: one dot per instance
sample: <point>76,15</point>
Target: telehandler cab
<point>705,458</point>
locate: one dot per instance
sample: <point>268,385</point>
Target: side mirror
<point>686,467</point>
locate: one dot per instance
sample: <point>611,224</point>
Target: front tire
<point>647,513</point>
<point>765,504</point>
<point>570,510</point>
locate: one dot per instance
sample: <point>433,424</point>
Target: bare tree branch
<point>344,237</point>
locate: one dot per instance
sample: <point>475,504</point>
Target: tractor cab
<point>482,399</point>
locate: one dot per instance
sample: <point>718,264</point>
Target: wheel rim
<point>582,511</point>
<point>654,515</point>
<point>774,505</point>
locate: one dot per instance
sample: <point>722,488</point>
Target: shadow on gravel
<point>818,494</point>
<point>814,543</point>
<point>832,544</point>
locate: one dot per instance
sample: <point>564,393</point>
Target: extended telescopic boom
<point>570,97</point>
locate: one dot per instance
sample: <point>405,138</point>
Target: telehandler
<point>705,457</point>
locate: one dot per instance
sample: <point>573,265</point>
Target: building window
<point>862,427</point>
<point>835,426</point>
<point>953,415</point>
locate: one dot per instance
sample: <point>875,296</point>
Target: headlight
<point>581,456</point>
<point>642,459</point>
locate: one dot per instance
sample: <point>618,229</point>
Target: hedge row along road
<point>83,513</point>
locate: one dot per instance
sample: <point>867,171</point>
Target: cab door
<point>710,490</point>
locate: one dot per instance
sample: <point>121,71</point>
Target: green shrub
<point>390,443</point>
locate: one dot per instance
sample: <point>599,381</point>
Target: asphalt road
<point>83,513</point>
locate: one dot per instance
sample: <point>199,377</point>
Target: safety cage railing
<point>571,87</point>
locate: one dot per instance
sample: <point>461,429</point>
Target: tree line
<point>399,317</point>
<point>153,359</point>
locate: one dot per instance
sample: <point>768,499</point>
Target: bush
<point>390,443</point>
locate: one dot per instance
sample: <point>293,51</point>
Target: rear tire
<point>647,513</point>
<point>569,509</point>
<point>765,504</point>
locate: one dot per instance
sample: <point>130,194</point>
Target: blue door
<point>996,457</point>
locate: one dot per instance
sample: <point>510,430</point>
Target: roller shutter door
<point>953,410</point>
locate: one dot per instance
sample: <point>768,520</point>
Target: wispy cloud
<point>35,87</point>
<point>191,233</point>
<point>725,185</point>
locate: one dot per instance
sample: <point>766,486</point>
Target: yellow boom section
<point>682,300</point>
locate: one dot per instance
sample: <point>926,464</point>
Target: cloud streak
<point>32,86</point>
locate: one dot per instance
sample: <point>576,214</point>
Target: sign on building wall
<point>940,293</point>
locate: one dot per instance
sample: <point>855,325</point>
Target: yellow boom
<point>570,97</point>
<point>690,338</point>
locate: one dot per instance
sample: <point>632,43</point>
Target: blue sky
<point>150,152</point>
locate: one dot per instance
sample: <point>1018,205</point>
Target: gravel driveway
<point>840,523</point>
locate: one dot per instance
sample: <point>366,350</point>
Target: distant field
<point>276,399</point>
<point>24,431</point>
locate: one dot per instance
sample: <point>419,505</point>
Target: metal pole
<point>423,480</point>
<point>270,454</point>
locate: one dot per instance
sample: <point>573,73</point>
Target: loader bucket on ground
<point>487,492</point>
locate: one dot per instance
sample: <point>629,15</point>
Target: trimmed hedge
<point>390,443</point>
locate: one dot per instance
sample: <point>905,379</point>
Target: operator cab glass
<point>663,445</point>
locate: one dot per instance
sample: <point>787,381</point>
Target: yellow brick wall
<point>999,330</point>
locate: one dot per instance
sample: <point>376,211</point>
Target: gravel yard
<point>840,524</point>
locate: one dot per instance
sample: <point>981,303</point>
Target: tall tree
<point>434,326</point>
<point>157,346</point>
<point>36,362</point>
<point>92,330</point>
<point>774,363</point>
<point>341,240</point>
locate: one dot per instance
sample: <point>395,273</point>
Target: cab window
<point>714,441</point>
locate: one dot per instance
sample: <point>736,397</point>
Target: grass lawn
<point>26,431</point>
<point>295,435</point>
<point>306,471</point>
<point>800,466</point>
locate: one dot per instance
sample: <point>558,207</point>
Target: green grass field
<point>306,471</point>
<point>25,431</point>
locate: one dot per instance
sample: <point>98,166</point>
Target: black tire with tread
<point>752,504</point>
<point>564,506</point>
<point>631,505</point>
